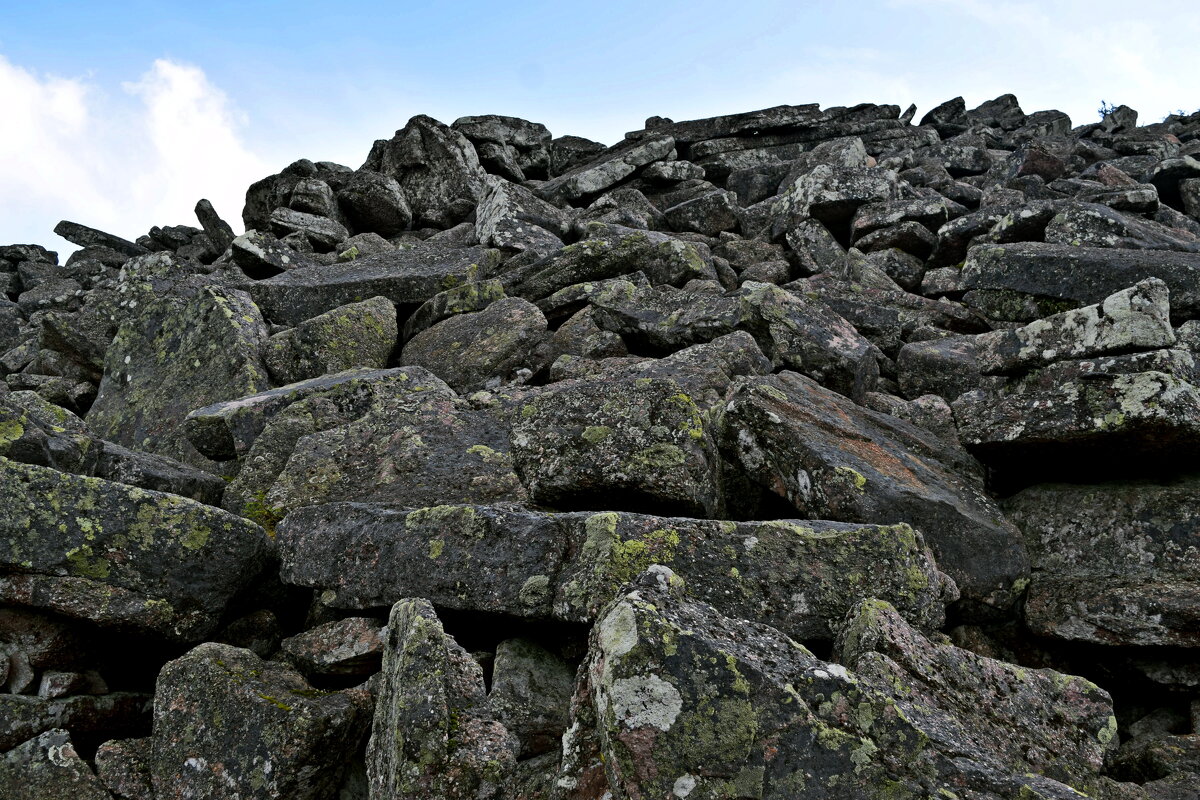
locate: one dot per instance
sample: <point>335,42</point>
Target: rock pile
<point>795,453</point>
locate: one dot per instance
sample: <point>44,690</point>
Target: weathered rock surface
<point>356,335</point>
<point>48,768</point>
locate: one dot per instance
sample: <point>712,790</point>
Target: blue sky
<point>122,115</point>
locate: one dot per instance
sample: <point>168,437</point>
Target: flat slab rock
<point>833,459</point>
<point>118,555</point>
<point>800,575</point>
<point>410,275</point>
<point>1113,563</point>
<point>48,768</point>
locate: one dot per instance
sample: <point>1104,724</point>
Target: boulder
<point>48,768</point>
<point>606,169</point>
<point>437,168</point>
<point>355,335</point>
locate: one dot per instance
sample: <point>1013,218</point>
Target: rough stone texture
<point>412,274</point>
<point>946,367</point>
<point>1137,318</point>
<point>832,459</point>
<point>122,766</point>
<point>357,335</point>
<point>470,350</point>
<point>174,357</point>
<point>352,646</point>
<point>229,725</point>
<point>606,169</point>
<point>531,694</point>
<point>48,768</point>
<point>114,714</point>
<point>473,296</point>
<point>174,562</point>
<point>1113,563</point>
<point>437,168</point>
<point>433,735</point>
<point>512,218</point>
<point>635,444</point>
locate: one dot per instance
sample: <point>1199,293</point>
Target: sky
<point>122,115</point>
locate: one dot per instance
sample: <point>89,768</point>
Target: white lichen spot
<point>646,701</point>
<point>684,785</point>
<point>618,631</point>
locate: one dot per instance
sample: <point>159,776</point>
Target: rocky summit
<point>796,453</point>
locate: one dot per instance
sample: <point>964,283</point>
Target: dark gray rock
<point>356,335</point>
<point>946,367</point>
<point>462,299</point>
<point>511,217</point>
<point>376,203</point>
<point>323,233</point>
<point>351,646</point>
<point>606,169</point>
<point>438,169</point>
<point>82,715</point>
<point>530,694</point>
<point>90,237</point>
<point>48,768</point>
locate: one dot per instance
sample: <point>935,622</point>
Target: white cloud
<point>120,162</point>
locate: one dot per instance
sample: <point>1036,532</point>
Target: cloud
<point>121,161</point>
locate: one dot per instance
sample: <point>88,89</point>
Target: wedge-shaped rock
<point>473,296</point>
<point>612,250</point>
<point>1034,720</point>
<point>1108,410</point>
<point>48,768</point>
<point>469,350</point>
<point>512,218</point>
<point>351,646</point>
<point>1113,563</point>
<point>174,357</point>
<point>229,725</point>
<point>946,367</point>
<point>606,169</point>
<point>405,276</point>
<point>1081,275</point>
<point>224,431</point>
<point>793,330</point>
<point>833,459</point>
<point>531,694</point>
<point>433,734</point>
<point>800,576</point>
<point>436,167</point>
<point>832,194</point>
<point>1137,318</point>
<point>180,560</point>
<point>408,440</point>
<point>634,443</point>
<point>679,699</point>
<point>358,335</point>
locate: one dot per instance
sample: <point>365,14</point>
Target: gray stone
<point>355,335</point>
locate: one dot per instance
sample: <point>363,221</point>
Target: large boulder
<point>1112,563</point>
<point>175,356</point>
<point>356,335</point>
<point>832,459</point>
<point>121,556</point>
<point>48,768</point>
<point>606,169</point>
<point>229,725</point>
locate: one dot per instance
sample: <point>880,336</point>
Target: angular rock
<point>48,768</point>
<point>323,233</point>
<point>641,443</point>
<point>180,561</point>
<point>834,460</point>
<point>708,214</point>
<point>85,716</point>
<point>352,646</point>
<point>433,735</point>
<point>606,169</point>
<point>410,275</point>
<point>437,168</point>
<point>173,357</point>
<point>228,724</point>
<point>946,367</point>
<point>470,350</point>
<point>90,237</point>
<point>1112,562</point>
<point>531,695</point>
<point>511,217</point>
<point>1077,276</point>
<point>217,229</point>
<point>463,299</point>
<point>832,195</point>
<point>122,767</point>
<point>355,335</point>
<point>1137,318</point>
<point>1093,225</point>
<point>376,203</point>
<point>261,255</point>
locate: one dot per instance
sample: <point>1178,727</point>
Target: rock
<point>331,447</point>
<point>1069,276</point>
<point>313,196</point>
<point>949,118</point>
<point>525,145</point>
<point>228,724</point>
<point>642,443</point>
<point>610,251</point>
<point>122,766</point>
<point>1041,721</point>
<point>531,695</point>
<point>433,735</point>
<point>355,335</point>
<point>1094,225</point>
<point>150,371</point>
<point>376,203</point>
<point>1110,561</point>
<point>511,217</point>
<point>410,275</point>
<point>708,214</point>
<point>437,168</point>
<point>568,152</point>
<point>1137,318</point>
<point>834,460</point>
<point>48,768</point>
<point>217,229</point>
<point>463,299</point>
<point>473,349</point>
<point>605,169</point>
<point>352,646</point>
<point>567,566</point>
<point>832,195</point>
<point>90,237</point>
<point>261,255</point>
<point>322,233</point>
<point>946,367</point>
<point>228,430</point>
<point>85,716</point>
<point>170,565</point>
